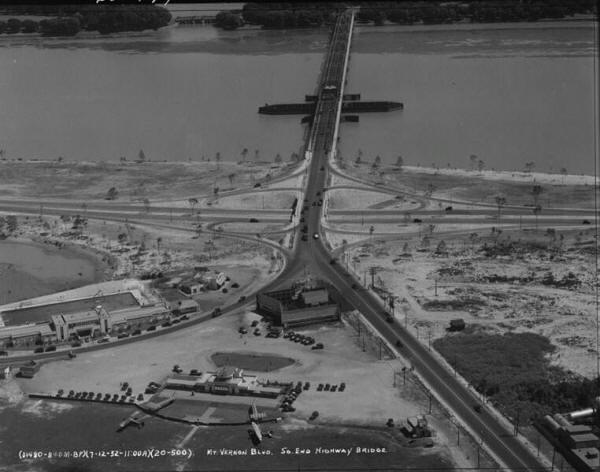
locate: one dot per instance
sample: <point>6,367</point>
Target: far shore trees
<point>500,202</point>
<point>536,191</point>
<point>399,162</point>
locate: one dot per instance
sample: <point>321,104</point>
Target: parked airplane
<point>133,420</point>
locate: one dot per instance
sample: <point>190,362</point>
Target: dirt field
<point>132,181</point>
<point>524,281</point>
<point>561,191</point>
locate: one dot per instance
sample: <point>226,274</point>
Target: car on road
<point>399,343</point>
<point>320,388</point>
<point>151,328</point>
<point>333,261</point>
<point>389,318</point>
<point>257,184</point>
<point>242,330</point>
<point>477,408</point>
<point>76,344</point>
<point>302,220</point>
<point>586,222</point>
<point>315,236</point>
<point>322,167</point>
<point>103,340</point>
<point>304,238</point>
<point>327,387</point>
<point>253,220</point>
<point>417,220</point>
<point>317,346</point>
<point>449,208</point>
<point>242,298</point>
<point>38,350</point>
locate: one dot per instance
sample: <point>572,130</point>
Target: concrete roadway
<point>313,255</point>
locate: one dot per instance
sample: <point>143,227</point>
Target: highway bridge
<point>313,253</point>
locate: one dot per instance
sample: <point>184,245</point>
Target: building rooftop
<point>43,329</point>
<point>577,429</point>
<point>315,297</point>
<point>134,313</point>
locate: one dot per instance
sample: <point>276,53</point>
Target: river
<point>509,95</point>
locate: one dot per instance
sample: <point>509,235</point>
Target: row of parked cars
<point>299,338</point>
<point>290,398</point>
<point>331,388</point>
<point>101,397</point>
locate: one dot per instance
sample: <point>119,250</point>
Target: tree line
<point>308,15</point>
<point>68,20</point>
<point>514,372</point>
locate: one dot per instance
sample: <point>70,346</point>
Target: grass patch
<point>514,372</point>
<point>254,362</point>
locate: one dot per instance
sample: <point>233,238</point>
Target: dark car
<point>253,220</point>
<point>38,350</point>
<point>304,238</point>
<point>257,184</point>
<point>166,324</point>
<point>136,332</point>
<point>417,220</point>
<point>50,349</point>
<point>254,324</point>
<point>399,343</point>
<point>242,298</point>
<point>235,285</point>
<point>342,387</point>
<point>389,318</point>
<point>306,385</point>
<point>449,208</point>
<point>333,261</point>
<point>322,167</point>
<point>477,408</point>
<point>320,388</point>
<point>586,222</point>
<point>327,387</point>
<point>3,353</point>
<point>318,346</point>
<point>151,328</point>
<point>333,388</point>
<point>76,344</point>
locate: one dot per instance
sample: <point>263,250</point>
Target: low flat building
<point>138,318</point>
<point>26,335</point>
<point>191,287</point>
<point>225,381</point>
<point>300,305</point>
<point>29,370</point>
